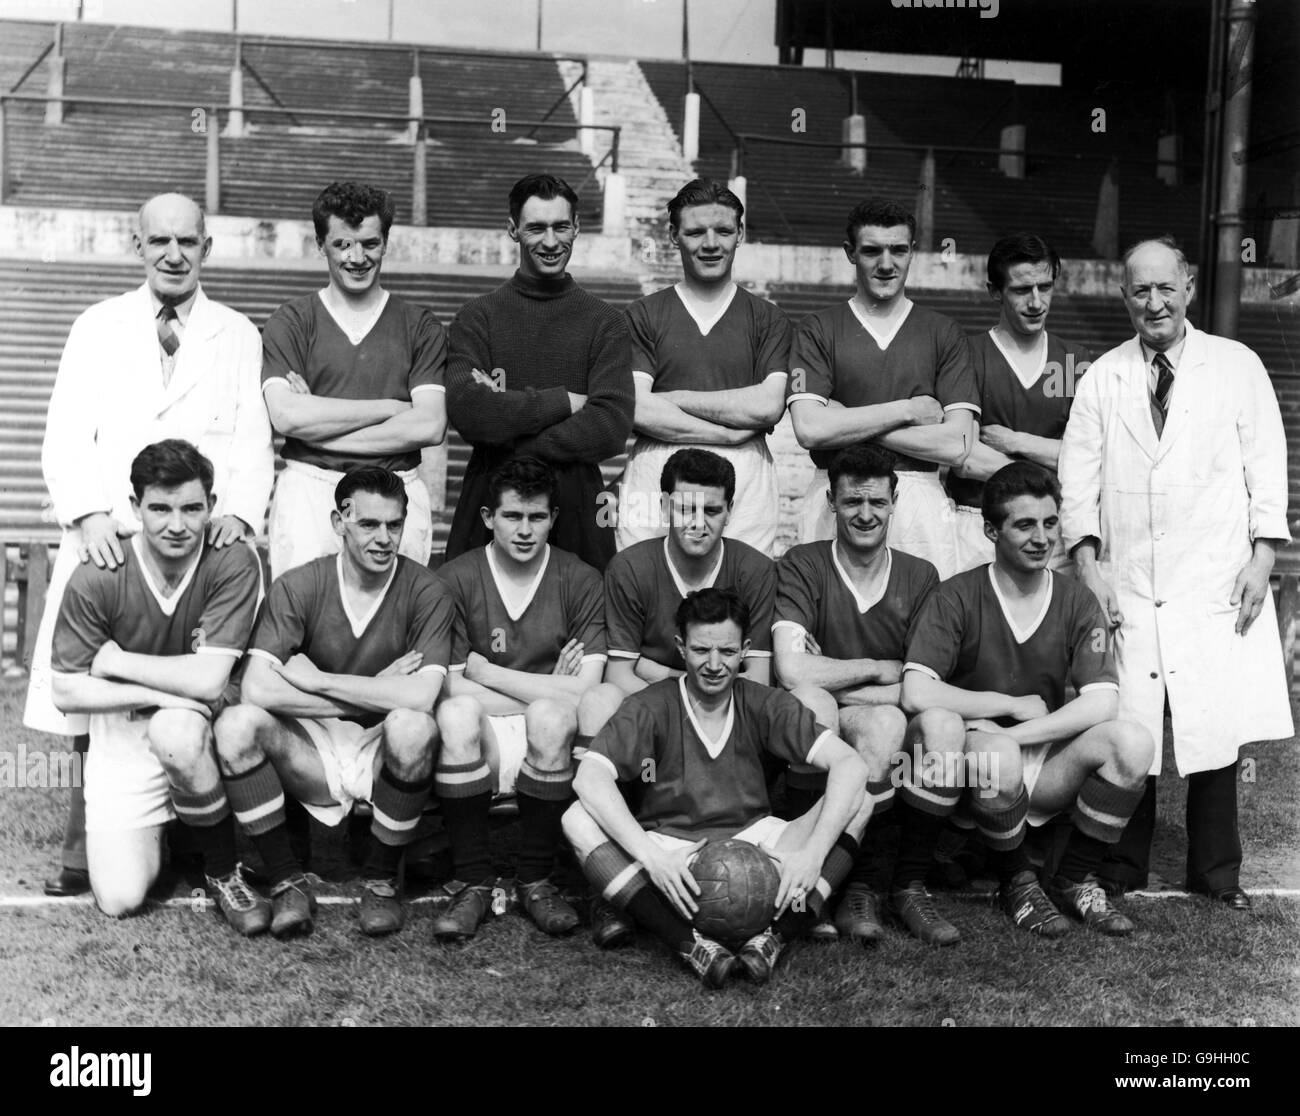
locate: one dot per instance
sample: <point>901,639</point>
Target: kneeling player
<point>693,747</point>
<point>998,644</point>
<point>146,648</point>
<point>529,640</point>
<point>843,611</point>
<point>344,668</point>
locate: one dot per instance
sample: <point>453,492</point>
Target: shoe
<point>759,955</point>
<point>610,927</point>
<point>913,906</point>
<point>858,915</point>
<point>824,930</point>
<point>469,907</point>
<point>711,962</point>
<point>1114,889</point>
<point>1030,909</point>
<point>1231,897</point>
<point>1087,902</point>
<point>381,908</point>
<point>242,907</point>
<point>69,881</point>
<point>293,907</point>
<point>547,907</point>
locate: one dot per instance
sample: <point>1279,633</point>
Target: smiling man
<point>162,361</point>
<point>1026,378</point>
<point>709,361</point>
<point>691,750</point>
<point>145,649</point>
<point>345,665</point>
<point>998,646</point>
<point>353,377</point>
<point>541,368</point>
<point>529,641</point>
<point>1174,465</point>
<point>879,368</point>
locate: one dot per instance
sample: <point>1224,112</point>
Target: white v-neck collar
<point>166,603</point>
<point>882,339</point>
<point>1019,634</point>
<point>682,587</point>
<point>515,604</point>
<point>355,336</point>
<point>1027,380</point>
<point>705,315</point>
<point>359,624</point>
<point>863,603</point>
<point>713,747</point>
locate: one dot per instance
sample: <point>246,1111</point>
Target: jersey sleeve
<point>624,610</point>
<point>284,344</point>
<point>1092,659</point>
<point>935,640</point>
<point>775,338</point>
<point>812,363</point>
<point>459,648</point>
<point>796,592</point>
<point>226,621</point>
<point>428,355</point>
<point>790,731</point>
<point>626,741</point>
<point>586,613</point>
<point>83,625</point>
<point>924,583</point>
<point>432,620</point>
<point>281,627</point>
<point>954,379</point>
<point>758,591</point>
<point>642,331</point>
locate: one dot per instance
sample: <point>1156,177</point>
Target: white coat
<point>109,402</point>
<point>1176,518</point>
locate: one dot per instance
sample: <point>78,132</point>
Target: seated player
<point>529,640</point>
<point>843,611</point>
<point>997,645</point>
<point>345,665</point>
<point>146,648</point>
<point>693,748</point>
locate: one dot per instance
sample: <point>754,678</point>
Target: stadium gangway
<point>211,127</point>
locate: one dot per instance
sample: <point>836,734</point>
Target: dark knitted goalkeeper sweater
<point>538,340</point>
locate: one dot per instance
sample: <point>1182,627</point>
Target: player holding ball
<point>691,750</point>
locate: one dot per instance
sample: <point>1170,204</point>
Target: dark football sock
<point>469,832</point>
<point>543,796</point>
<point>803,790</point>
<point>257,799</point>
<point>1008,863</point>
<point>918,835</point>
<point>1082,857</point>
<point>381,860</point>
<point>652,911</point>
<point>872,867</point>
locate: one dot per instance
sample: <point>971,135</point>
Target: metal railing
<point>212,128</point>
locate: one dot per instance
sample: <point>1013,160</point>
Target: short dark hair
<point>712,606</point>
<point>863,462</point>
<point>544,186</point>
<point>372,479</point>
<point>1020,478</point>
<point>526,477</point>
<point>1017,249</point>
<point>699,466</point>
<point>881,214</point>
<point>351,203</point>
<point>169,464</point>
<point>704,191</point>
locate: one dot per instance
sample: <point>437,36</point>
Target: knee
<point>823,705</point>
<point>119,898</point>
<point>874,730</point>
<point>550,725</point>
<point>237,731</point>
<point>1132,750</point>
<point>408,739</point>
<point>1000,756</point>
<point>178,738</point>
<point>941,730</point>
<point>457,721</point>
<point>597,706</point>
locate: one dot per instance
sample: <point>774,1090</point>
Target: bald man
<point>1173,470</point>
<point>161,361</point>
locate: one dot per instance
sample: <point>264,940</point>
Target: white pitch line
<point>182,903</point>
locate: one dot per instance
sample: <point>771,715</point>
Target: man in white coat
<point>1173,467</point>
<point>161,361</point>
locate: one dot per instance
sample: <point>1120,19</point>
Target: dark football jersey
<point>964,636</point>
<point>642,593</point>
<point>1042,408</point>
<point>814,594</point>
<point>565,602</point>
<point>689,785</point>
<point>835,356</point>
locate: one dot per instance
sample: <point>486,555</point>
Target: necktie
<point>166,335</point>
<point>1164,385</point>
